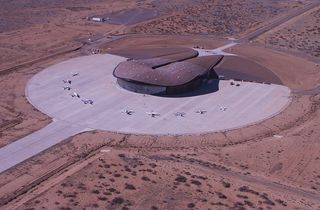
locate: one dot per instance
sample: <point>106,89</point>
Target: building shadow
<point>206,87</point>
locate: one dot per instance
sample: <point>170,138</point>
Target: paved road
<point>36,142</point>
<point>311,92</point>
<point>250,36</point>
<point>277,22</point>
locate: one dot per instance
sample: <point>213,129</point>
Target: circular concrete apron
<point>230,107</point>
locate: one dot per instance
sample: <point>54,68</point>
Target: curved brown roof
<point>173,74</point>
<point>239,68</point>
<point>165,60</point>
<point>151,52</point>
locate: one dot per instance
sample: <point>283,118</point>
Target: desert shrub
<point>117,200</point>
<point>191,205</point>
<point>195,182</point>
<point>226,184</point>
<point>181,178</point>
<point>129,187</point>
<point>95,191</point>
<point>102,198</point>
<point>144,178</point>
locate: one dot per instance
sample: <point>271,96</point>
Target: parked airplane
<point>87,101</point>
<point>223,108</point>
<point>128,112</point>
<point>153,114</point>
<point>74,94</point>
<point>67,88</point>
<point>201,111</point>
<point>180,114</point>
<point>66,81</point>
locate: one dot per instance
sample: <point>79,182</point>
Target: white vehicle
<point>153,114</point>
<point>74,94</point>
<point>66,81</point>
<point>128,112</point>
<point>201,111</point>
<point>179,114</point>
<point>97,19</point>
<point>75,74</point>
<point>87,101</point>
<point>67,88</point>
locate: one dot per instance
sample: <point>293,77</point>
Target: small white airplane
<point>66,81</point>
<point>222,108</point>
<point>75,74</point>
<point>153,114</point>
<point>128,112</point>
<point>179,114</point>
<point>87,101</point>
<point>67,88</point>
<point>201,111</point>
<point>74,94</point>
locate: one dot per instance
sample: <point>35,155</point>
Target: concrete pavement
<point>230,107</point>
<point>246,104</point>
<point>36,142</point>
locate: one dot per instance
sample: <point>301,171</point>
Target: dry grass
<point>220,18</point>
<point>301,34</point>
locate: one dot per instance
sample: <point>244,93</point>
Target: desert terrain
<point>274,164</point>
<point>219,18</point>
<point>298,35</point>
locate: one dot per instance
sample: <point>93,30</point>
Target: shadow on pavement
<point>207,87</point>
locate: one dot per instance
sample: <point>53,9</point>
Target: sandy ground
<point>149,41</point>
<point>220,18</point>
<point>61,27</point>
<point>273,165</point>
<point>301,34</point>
